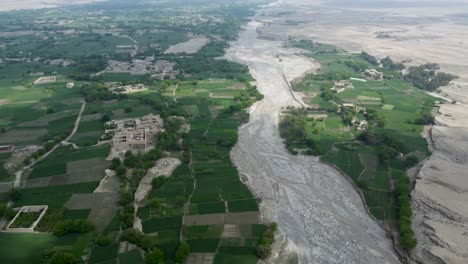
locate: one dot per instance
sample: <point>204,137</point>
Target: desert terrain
<point>414,32</point>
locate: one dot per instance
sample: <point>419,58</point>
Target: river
<point>315,207</point>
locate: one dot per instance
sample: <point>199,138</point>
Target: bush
<point>407,239</point>
<point>410,161</point>
<point>115,163</point>
<point>156,256</point>
<point>182,252</point>
<point>14,194</point>
<point>158,182</point>
<point>138,238</point>
<point>73,226</point>
<point>263,250</point>
<point>104,240</point>
<point>63,258</point>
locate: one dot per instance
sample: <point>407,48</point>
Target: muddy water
<point>316,208</point>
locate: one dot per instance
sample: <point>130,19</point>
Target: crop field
<point>54,106</point>
<point>4,174</point>
<point>38,106</point>
<point>54,196</point>
<point>24,248</point>
<point>25,220</point>
<point>104,253</point>
<point>397,105</point>
<point>131,257</point>
<point>217,182</point>
<point>57,162</point>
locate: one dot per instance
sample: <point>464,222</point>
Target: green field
<point>56,163</point>
<point>24,248</point>
<point>54,196</point>
<point>212,94</point>
<point>397,105</point>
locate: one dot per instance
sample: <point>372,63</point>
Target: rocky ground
<point>316,208</point>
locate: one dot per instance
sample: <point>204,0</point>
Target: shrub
<point>63,258</point>
<point>156,256</point>
<point>263,250</point>
<point>14,194</point>
<point>138,238</point>
<point>410,161</point>
<point>73,226</point>
<point>182,252</point>
<point>104,241</point>
<point>158,182</point>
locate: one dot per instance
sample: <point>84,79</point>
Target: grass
<point>207,208</point>
<point>203,245</point>
<point>24,248</point>
<point>56,163</point>
<point>76,214</point>
<point>25,220</point>
<point>396,101</point>
<point>161,224</point>
<point>131,257</point>
<point>243,205</point>
<point>29,121</point>
<point>54,196</point>
<point>4,174</point>
<point>104,253</point>
<point>233,256</point>
<point>203,231</point>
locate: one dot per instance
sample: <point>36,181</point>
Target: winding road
<point>19,174</point>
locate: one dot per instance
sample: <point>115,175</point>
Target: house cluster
<point>361,125</point>
<point>340,86</point>
<point>128,89</point>
<point>374,74</point>
<point>7,149</point>
<point>136,134</point>
<point>159,69</point>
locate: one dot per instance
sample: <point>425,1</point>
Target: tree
<point>115,163</point>
<point>263,251</point>
<point>72,226</point>
<point>410,161</point>
<point>63,258</point>
<point>156,256</point>
<point>14,194</point>
<point>180,200</point>
<point>155,203</point>
<point>158,182</point>
<point>105,118</point>
<point>182,252</point>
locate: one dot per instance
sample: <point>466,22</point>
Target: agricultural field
<point>55,99</point>
<point>24,248</point>
<point>363,119</point>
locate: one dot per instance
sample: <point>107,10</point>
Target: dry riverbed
<point>416,32</point>
<point>316,208</point>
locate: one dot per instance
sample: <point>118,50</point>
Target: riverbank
<point>316,208</point>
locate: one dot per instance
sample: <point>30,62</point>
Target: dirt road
<point>19,174</point>
<point>315,207</point>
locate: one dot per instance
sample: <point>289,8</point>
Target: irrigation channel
<point>317,209</point>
